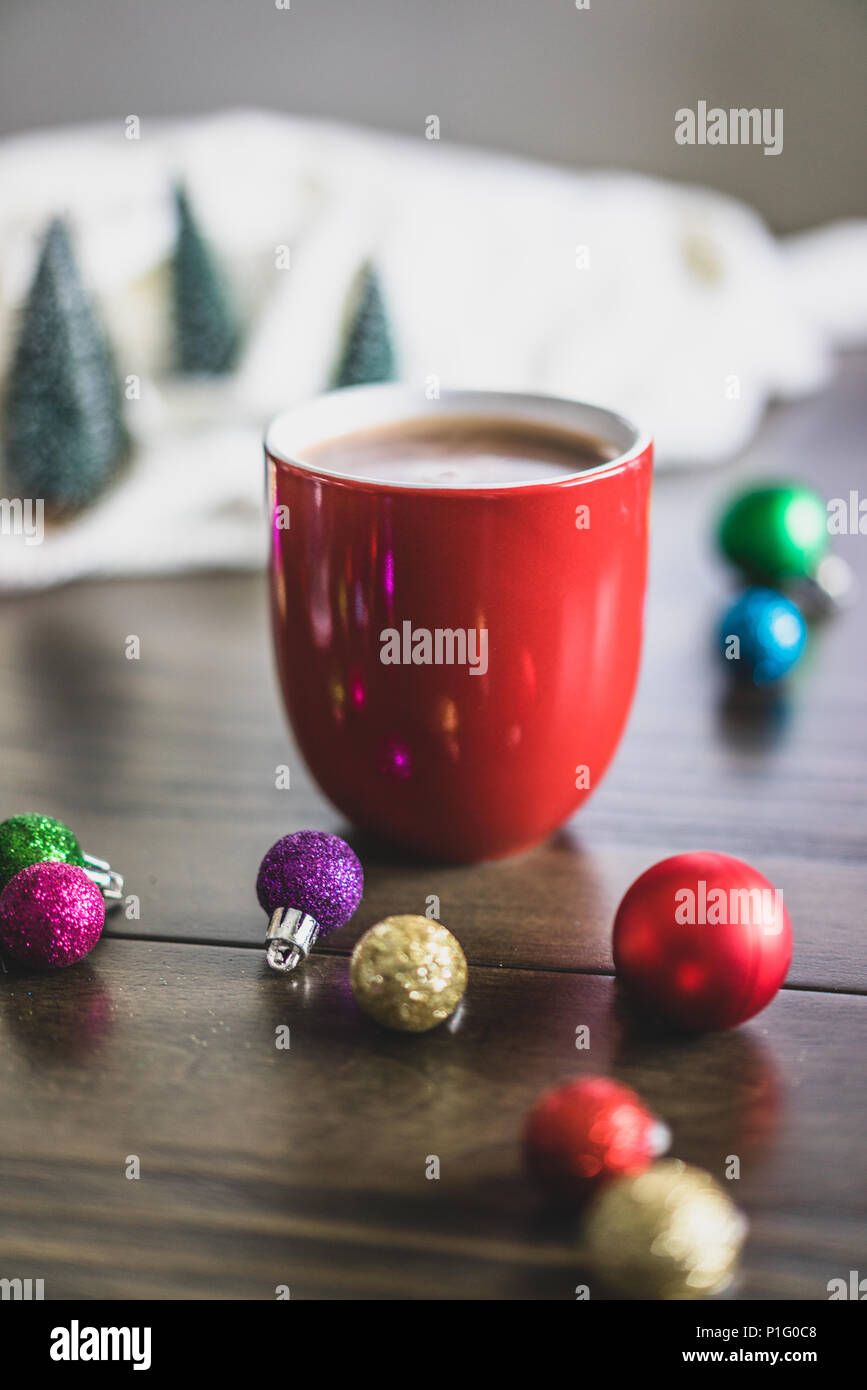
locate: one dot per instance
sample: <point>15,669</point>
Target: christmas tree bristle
<point>206,325</point>
<point>64,430</point>
<point>368,353</point>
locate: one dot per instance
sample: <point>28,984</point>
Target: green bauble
<point>64,432</point>
<point>775,532</point>
<point>368,352</point>
<point>33,839</point>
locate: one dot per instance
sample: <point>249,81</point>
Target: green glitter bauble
<point>775,532</point>
<point>33,839</point>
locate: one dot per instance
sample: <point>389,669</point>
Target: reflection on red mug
<point>457,662</point>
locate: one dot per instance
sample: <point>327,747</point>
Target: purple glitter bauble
<point>50,915</point>
<point>316,873</point>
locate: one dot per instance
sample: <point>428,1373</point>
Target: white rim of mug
<point>334,414</point>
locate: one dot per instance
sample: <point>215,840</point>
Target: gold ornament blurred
<point>408,973</point>
<point>667,1233</point>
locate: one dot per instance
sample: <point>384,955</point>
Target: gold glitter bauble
<point>408,973</point>
<point>667,1233</point>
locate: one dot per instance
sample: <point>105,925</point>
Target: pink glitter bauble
<point>51,915</point>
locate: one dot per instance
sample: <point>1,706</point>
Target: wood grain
<point>166,765</point>
<point>306,1166</point>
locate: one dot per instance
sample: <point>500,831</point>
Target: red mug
<point>457,662</point>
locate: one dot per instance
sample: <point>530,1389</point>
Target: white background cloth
<point>683,312</point>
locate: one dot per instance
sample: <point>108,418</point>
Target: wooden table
<point>306,1167</point>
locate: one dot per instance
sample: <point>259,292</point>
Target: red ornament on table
<point>702,940</point>
<point>585,1132</point>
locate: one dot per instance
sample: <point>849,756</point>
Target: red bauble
<point>702,940</point>
<point>586,1132</point>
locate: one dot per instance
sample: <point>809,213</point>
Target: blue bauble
<point>771,634</point>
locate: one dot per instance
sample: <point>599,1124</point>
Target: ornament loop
<point>100,872</point>
<point>290,936</point>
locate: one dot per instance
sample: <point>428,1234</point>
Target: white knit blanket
<point>672,304</point>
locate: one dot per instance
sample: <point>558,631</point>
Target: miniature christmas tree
<point>65,436</point>
<point>206,325</point>
<point>368,353</point>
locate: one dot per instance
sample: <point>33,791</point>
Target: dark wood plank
<point>306,1167</point>
<point>553,908</point>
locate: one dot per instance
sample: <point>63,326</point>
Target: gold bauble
<point>408,973</point>
<point>667,1233</point>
